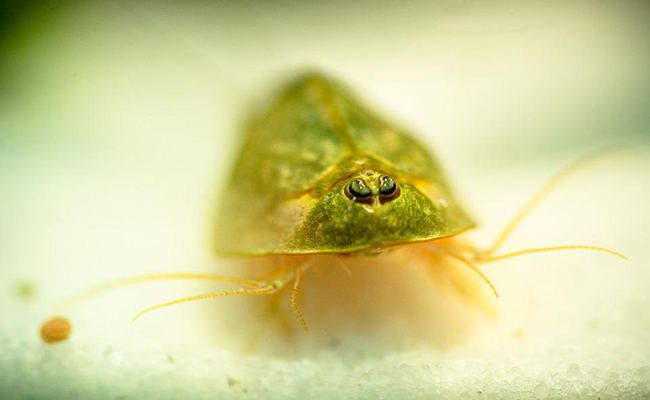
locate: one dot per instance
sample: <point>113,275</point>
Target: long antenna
<point>543,193</point>
<point>489,258</point>
<point>99,289</point>
<point>264,290</point>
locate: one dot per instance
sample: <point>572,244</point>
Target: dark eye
<point>387,186</point>
<point>359,189</point>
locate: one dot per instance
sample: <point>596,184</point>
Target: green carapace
<point>319,172</point>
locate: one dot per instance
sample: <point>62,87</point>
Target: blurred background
<point>119,121</point>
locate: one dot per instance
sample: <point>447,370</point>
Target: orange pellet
<point>55,330</point>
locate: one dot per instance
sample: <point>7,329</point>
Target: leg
<point>468,255</point>
<point>447,249</point>
<point>451,270</point>
<point>294,300</point>
<point>274,305</point>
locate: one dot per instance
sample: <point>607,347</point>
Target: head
<point>374,209</point>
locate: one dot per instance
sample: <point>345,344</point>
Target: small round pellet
<point>56,330</point>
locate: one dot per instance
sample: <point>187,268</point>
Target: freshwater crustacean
<point>319,173</point>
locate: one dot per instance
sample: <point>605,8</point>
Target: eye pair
<point>360,190</point>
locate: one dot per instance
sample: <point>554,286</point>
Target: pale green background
<point>118,122</point>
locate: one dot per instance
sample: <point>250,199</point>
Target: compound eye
<point>387,186</point>
<point>359,189</point>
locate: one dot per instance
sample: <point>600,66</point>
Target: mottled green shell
<point>286,193</point>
